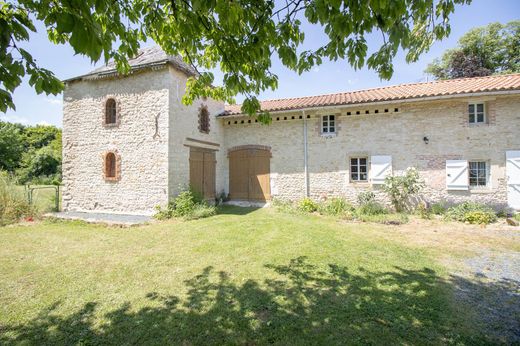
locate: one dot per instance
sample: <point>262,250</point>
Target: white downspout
<point>305,165</point>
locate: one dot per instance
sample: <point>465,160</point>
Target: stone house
<point>130,144</point>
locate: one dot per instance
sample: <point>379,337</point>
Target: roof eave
<point>375,103</point>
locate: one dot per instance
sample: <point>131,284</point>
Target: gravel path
<point>491,286</point>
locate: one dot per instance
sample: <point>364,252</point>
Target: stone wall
<point>140,140</point>
<point>184,132</point>
<point>397,130</point>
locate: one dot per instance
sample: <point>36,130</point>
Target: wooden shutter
<point>457,175</point>
<point>380,168</point>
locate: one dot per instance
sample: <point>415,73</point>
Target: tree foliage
<point>238,37</point>
<point>31,153</point>
<point>483,51</point>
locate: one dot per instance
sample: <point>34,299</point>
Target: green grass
<point>244,276</point>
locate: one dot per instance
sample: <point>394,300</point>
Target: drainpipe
<point>305,165</point>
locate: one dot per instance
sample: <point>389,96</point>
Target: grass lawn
<point>244,276</point>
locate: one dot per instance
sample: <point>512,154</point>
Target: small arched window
<point>111,112</point>
<point>111,167</point>
<point>204,119</point>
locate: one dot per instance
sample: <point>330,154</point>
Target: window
<point>358,169</point>
<point>328,124</point>
<point>476,113</point>
<point>478,173</point>
<point>111,112</point>
<point>111,167</point>
<point>204,119</point>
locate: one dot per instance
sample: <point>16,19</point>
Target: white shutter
<point>380,168</point>
<point>457,177</point>
<point>513,167</point>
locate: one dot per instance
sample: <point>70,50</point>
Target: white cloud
<point>352,81</point>
<point>14,119</point>
<point>44,123</point>
<point>53,101</point>
<point>315,69</point>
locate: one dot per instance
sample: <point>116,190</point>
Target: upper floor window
<point>111,168</point>
<point>204,119</point>
<point>477,113</point>
<point>358,169</point>
<point>478,173</point>
<point>111,112</point>
<point>328,124</point>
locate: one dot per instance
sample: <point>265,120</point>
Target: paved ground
<point>491,284</point>
<point>111,219</point>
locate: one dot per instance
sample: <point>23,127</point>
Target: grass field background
<point>245,276</point>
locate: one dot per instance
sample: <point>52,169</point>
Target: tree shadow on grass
<point>235,210</point>
<point>303,304</point>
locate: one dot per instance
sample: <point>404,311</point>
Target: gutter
<point>377,103</point>
<point>305,152</point>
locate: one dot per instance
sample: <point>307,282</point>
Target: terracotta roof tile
<point>392,93</point>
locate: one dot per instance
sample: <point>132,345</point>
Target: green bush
<point>366,197</point>
<point>368,204</point>
<point>479,217</point>
<point>307,205</point>
<point>466,210</point>
<point>517,217</point>
<point>423,211</point>
<point>438,209</point>
<point>335,207</point>
<point>401,188</point>
<point>188,205</point>
<point>13,203</point>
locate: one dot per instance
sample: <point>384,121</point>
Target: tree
<point>238,37</point>
<point>11,146</point>
<point>483,51</point>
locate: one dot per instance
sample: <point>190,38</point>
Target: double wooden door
<point>249,171</point>
<point>202,172</point>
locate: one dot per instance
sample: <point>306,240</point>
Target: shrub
<point>366,197</point>
<point>371,208</point>
<point>401,188</point>
<point>13,203</point>
<point>479,217</point>
<point>307,205</point>
<point>335,207</point>
<point>368,204</point>
<point>188,205</point>
<point>438,209</point>
<point>424,212</point>
<point>201,211</point>
<point>466,210</point>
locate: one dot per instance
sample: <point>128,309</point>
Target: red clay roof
<point>392,93</point>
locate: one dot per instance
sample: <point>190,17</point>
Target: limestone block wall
<point>397,130</point>
<point>184,132</point>
<point>140,139</point>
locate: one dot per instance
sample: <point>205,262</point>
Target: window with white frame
<point>328,124</point>
<point>477,113</point>
<point>358,169</point>
<point>478,173</point>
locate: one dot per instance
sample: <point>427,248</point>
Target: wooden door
<point>209,175</point>
<point>249,174</point>
<point>202,172</point>
<point>259,167</point>
<point>238,175</point>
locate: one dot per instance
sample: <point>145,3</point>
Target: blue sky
<point>330,77</point>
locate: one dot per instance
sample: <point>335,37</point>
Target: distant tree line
<point>482,51</point>
<point>32,154</point>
